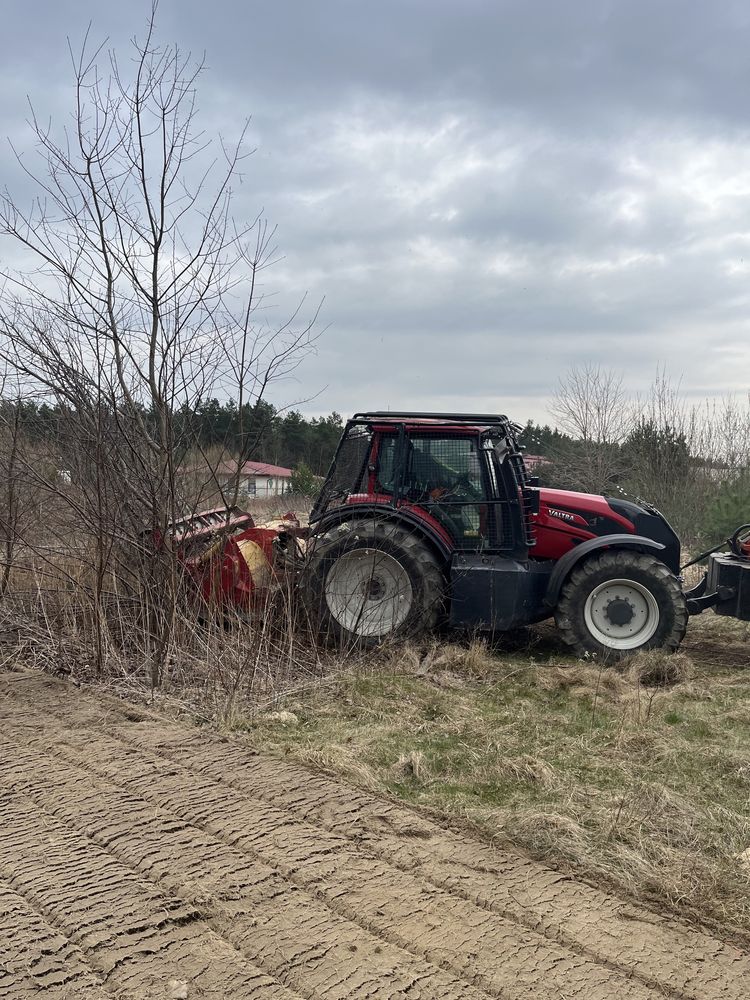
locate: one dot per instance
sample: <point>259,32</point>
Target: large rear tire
<point>369,581</point>
<point>620,602</point>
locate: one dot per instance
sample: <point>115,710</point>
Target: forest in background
<point>258,431</point>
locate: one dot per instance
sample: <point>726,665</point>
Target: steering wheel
<point>471,490</point>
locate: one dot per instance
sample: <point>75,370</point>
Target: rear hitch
<point>695,605</point>
<point>698,600</point>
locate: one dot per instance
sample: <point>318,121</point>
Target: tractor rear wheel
<point>368,581</point>
<point>620,602</point>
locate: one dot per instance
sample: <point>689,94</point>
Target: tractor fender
<point>358,511</point>
<point>565,565</point>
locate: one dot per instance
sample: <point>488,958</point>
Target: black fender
<point>359,511</point>
<point>564,566</point>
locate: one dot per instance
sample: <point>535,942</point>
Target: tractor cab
<point>461,477</point>
<point>449,489</point>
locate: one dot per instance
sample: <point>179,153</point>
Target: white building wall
<point>260,486</point>
<point>267,486</point>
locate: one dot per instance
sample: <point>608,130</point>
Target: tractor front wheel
<point>620,602</point>
<point>368,581</point>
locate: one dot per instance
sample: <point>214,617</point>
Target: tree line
<point>256,431</point>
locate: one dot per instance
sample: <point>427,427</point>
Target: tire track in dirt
<point>35,958</point>
<point>474,945</point>
<point>250,836</point>
<point>658,951</point>
<point>273,923</point>
<point>135,938</point>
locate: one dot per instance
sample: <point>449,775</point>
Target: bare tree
<point>145,296</point>
<point>591,406</point>
<point>659,464</point>
<point>590,403</point>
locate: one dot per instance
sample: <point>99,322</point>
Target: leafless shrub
<point>144,295</point>
<point>661,447</point>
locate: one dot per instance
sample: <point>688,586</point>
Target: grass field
<point>636,777</point>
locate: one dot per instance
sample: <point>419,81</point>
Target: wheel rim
<point>368,592</point>
<point>621,614</point>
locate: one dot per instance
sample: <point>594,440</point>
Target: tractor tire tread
<point>374,532</point>
<point>568,613</point>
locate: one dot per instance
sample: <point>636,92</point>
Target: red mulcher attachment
<point>232,561</point>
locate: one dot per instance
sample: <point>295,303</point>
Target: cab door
<point>445,475</point>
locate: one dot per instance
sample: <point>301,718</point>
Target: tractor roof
<point>414,420</point>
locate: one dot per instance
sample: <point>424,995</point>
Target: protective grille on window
<point>446,476</point>
<point>473,526</point>
<point>349,472</point>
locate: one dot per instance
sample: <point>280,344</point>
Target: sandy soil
<point>142,859</point>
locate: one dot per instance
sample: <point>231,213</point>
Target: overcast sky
<point>485,193</point>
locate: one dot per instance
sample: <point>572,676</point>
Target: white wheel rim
<point>368,592</point>
<point>609,604</point>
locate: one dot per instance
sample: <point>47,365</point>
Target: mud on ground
<point>142,859</point>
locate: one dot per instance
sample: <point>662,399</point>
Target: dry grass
<point>659,669</point>
<point>636,777</point>
<point>213,670</point>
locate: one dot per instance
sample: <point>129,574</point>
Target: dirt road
<point>142,859</point>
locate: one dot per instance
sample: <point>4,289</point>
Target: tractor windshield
<point>349,472</point>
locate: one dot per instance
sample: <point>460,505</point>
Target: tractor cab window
<point>434,468</point>
<point>449,476</point>
<point>444,475</point>
<point>385,466</point>
<point>445,469</point>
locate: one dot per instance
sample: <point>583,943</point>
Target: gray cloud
<point>484,192</point>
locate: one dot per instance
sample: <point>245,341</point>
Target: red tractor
<point>427,519</point>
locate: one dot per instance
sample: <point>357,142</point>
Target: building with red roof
<point>257,479</point>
